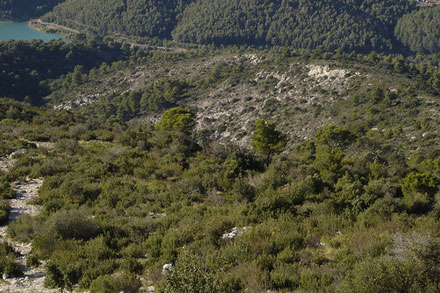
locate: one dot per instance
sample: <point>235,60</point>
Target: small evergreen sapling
<point>267,140</point>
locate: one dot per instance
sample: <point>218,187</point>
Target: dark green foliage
<point>332,136</point>
<point>174,131</point>
<point>53,278</point>
<point>189,275</point>
<point>310,219</point>
<point>22,9</point>
<point>4,212</point>
<point>75,225</point>
<point>330,144</point>
<point>345,24</point>
<point>420,30</point>
<point>74,261</point>
<point>154,98</point>
<point>177,120</point>
<point>25,64</point>
<point>348,25</point>
<point>119,282</point>
<point>6,191</point>
<point>32,261</point>
<point>152,18</point>
<point>390,275</point>
<point>8,263</point>
<point>23,228</point>
<point>267,140</point>
<point>418,191</point>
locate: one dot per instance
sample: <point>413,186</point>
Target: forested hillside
<point>350,25</point>
<point>23,9</point>
<point>152,18</point>
<point>25,66</point>
<point>420,30</point>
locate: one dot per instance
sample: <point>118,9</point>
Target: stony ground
<point>26,191</point>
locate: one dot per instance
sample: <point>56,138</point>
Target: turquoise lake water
<point>22,31</point>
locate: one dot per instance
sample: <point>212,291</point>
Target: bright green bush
<point>118,282</point>
<point>190,275</point>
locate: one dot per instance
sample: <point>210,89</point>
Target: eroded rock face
<point>325,71</point>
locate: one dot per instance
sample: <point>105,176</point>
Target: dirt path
<point>121,39</point>
<point>33,278</point>
<point>54,26</point>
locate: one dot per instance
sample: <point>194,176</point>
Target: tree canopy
<point>420,30</point>
<point>267,140</point>
<point>177,119</point>
<point>346,24</point>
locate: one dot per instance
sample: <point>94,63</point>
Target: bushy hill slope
<point>120,201</point>
<point>229,90</point>
<point>133,183</point>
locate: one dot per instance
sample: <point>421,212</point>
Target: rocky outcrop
<point>234,233</point>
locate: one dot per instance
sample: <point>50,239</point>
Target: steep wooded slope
<point>346,24</point>
<point>420,30</point>
<point>152,18</point>
<point>23,9</point>
<point>349,25</point>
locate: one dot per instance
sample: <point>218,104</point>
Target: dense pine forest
<point>22,9</point>
<point>245,146</point>
<point>302,24</point>
<point>349,25</point>
<point>420,30</point>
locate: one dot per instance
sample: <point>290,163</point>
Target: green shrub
<point>132,265</point>
<point>22,229</point>
<point>32,261</point>
<point>4,211</point>
<point>284,277</point>
<point>314,281</point>
<point>75,224</point>
<point>118,282</point>
<point>53,277</point>
<point>190,275</point>
<point>386,274</point>
<point>6,191</point>
<point>8,263</point>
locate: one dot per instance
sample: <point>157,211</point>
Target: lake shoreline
<point>48,27</point>
<point>23,19</point>
<point>11,30</point>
